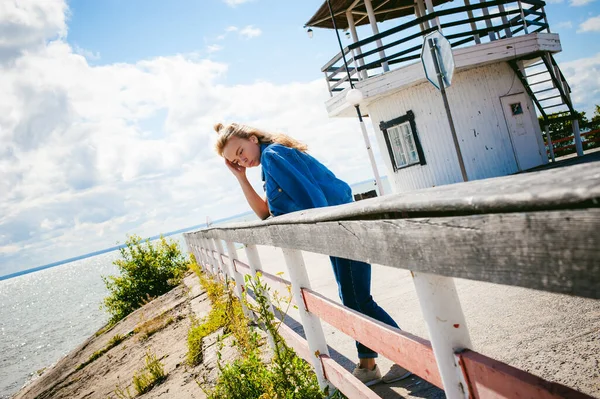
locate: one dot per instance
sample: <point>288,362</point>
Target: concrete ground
<point>556,337</point>
<point>592,155</point>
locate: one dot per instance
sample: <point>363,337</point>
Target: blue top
<point>295,181</point>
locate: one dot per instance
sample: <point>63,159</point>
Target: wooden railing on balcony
<point>404,42</point>
<point>536,230</point>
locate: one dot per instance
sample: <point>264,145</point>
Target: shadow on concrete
<point>587,158</point>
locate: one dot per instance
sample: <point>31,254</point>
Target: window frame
<point>410,118</point>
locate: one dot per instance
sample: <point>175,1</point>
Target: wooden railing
<point>404,42</point>
<point>570,148</point>
<point>537,230</point>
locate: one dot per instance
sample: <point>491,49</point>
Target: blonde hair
<point>225,132</point>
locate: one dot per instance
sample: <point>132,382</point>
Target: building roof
<point>384,10</point>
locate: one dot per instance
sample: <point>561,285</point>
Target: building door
<point>520,121</point>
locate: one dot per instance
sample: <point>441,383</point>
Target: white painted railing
<point>537,230</point>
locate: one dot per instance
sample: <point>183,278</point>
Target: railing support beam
<point>577,137</point>
<point>238,278</point>
<point>311,323</point>
<point>222,268</point>
<point>549,140</point>
<point>360,61</point>
<point>256,267</point>
<point>210,248</point>
<point>373,22</point>
<point>447,328</point>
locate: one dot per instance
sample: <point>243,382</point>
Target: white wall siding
<point>480,124</point>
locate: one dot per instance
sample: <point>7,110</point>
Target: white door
<point>520,121</point>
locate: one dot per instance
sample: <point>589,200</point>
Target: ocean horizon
<point>47,311</point>
<point>360,187</point>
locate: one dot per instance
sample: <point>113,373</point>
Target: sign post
<point>438,63</point>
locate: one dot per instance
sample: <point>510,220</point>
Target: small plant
<point>248,377</point>
<point>147,270</point>
<point>114,341</point>
<point>149,376</point>
<point>217,318</point>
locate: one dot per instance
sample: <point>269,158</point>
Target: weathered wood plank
<point>556,251</point>
<point>563,188</point>
<point>489,378</point>
<point>343,380</point>
<point>407,350</point>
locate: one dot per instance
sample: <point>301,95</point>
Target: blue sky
<point>106,109</point>
<point>135,30</point>
<point>127,31</point>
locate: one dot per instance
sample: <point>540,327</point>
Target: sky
<point>107,108</point>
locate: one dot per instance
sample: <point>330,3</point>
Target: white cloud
<point>583,75</point>
<point>590,25</point>
<point>89,55</point>
<point>563,25</point>
<point>250,31</point>
<point>231,29</point>
<point>554,1</point>
<point>579,3</point>
<point>213,48</point>
<point>233,3</point>
<point>26,25</point>
<point>89,153</point>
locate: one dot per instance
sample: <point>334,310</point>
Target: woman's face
<point>243,152</point>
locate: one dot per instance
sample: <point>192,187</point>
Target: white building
<point>504,68</point>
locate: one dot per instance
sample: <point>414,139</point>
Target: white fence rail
<point>537,230</point>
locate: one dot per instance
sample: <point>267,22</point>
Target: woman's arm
<point>259,205</point>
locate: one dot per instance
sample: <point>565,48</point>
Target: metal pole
<point>370,151</point>
<point>434,54</point>
<point>362,125</point>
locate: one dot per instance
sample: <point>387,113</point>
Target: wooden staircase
<point>549,90</point>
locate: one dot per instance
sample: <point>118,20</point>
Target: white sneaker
<point>396,373</point>
<point>366,376</point>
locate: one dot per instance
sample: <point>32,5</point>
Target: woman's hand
<point>238,171</point>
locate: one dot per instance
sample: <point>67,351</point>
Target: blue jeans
<point>354,285</point>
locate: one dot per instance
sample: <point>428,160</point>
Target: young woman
<point>294,181</point>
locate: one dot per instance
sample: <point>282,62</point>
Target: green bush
<point>147,271</point>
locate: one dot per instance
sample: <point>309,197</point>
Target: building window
<point>402,141</point>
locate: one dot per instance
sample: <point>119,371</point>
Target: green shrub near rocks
<point>147,270</point>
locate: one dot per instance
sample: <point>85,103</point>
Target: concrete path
<point>556,337</point>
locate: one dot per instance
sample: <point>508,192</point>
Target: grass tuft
<point>148,328</point>
<point>149,376</point>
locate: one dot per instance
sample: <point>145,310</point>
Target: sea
<point>46,314</point>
